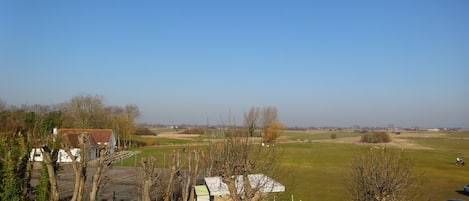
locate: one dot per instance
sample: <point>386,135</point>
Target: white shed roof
<point>258,181</point>
<point>201,190</point>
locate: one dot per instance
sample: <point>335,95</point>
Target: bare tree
<point>236,157</point>
<point>193,171</point>
<point>85,111</point>
<point>50,150</point>
<point>122,120</point>
<point>103,163</point>
<point>251,120</point>
<point>382,175</point>
<point>269,115</point>
<point>174,172</point>
<point>3,105</point>
<point>132,113</point>
<point>79,163</point>
<point>180,179</point>
<point>150,179</point>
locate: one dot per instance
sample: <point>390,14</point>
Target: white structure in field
<point>265,184</point>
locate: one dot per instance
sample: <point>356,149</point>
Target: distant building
<point>433,129</point>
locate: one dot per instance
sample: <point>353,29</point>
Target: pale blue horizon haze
<point>321,63</point>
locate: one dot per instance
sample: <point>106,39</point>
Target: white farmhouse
<point>99,137</point>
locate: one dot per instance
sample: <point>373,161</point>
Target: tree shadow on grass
<point>462,192</point>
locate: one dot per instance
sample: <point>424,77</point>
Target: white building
<point>99,137</point>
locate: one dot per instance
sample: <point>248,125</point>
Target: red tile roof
<point>98,136</point>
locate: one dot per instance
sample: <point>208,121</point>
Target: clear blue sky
<point>321,63</point>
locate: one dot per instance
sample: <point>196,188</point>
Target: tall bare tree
<point>3,105</point>
<point>150,182</point>
<point>85,111</point>
<point>79,163</point>
<point>194,161</point>
<point>251,120</point>
<point>175,172</point>
<point>102,163</point>
<point>382,175</point>
<point>122,120</point>
<point>132,113</point>
<point>268,118</point>
<point>50,153</point>
<point>269,115</point>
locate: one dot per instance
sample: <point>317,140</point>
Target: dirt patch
<point>174,135</point>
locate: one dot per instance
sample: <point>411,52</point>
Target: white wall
<point>62,155</point>
<point>36,154</point>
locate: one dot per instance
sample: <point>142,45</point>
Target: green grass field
<point>321,135</point>
<point>315,170</point>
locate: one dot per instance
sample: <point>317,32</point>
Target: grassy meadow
<point>312,165</point>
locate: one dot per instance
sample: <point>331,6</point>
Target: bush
<point>376,137</point>
<point>144,131</point>
<point>333,136</point>
<point>382,174</point>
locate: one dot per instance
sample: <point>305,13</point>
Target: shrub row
<point>376,137</point>
<point>144,131</point>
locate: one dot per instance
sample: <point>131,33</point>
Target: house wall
<point>36,155</point>
<point>64,158</point>
<point>112,143</point>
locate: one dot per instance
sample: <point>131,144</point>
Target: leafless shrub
<point>382,175</point>
<point>376,137</point>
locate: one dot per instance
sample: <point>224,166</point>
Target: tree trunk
<point>194,174</point>
<point>248,191</point>
<point>96,180</point>
<point>81,190</point>
<point>187,183</point>
<point>230,182</point>
<point>149,177</point>
<point>174,170</point>
<point>54,191</point>
<point>77,183</point>
<point>146,188</point>
<point>79,168</point>
<point>101,167</point>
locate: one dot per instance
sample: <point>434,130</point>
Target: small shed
<point>201,193</point>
